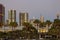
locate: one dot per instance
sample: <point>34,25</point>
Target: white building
<point>23,17</point>
<point>12,16</point>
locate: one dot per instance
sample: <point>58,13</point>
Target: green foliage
<point>48,22</point>
<point>1,24</point>
<point>37,21</point>
<point>13,24</point>
<point>42,24</point>
<point>56,22</point>
<point>29,31</point>
<point>26,24</point>
<point>56,27</point>
<point>54,31</point>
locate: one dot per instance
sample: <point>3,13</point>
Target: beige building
<point>23,17</point>
<point>42,19</point>
<point>57,15</point>
<point>12,16</point>
<point>43,30</point>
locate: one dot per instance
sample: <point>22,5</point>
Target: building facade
<point>57,15</point>
<point>12,16</point>
<point>23,17</point>
<point>41,19</point>
<point>2,14</point>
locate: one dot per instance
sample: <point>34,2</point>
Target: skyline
<point>35,8</point>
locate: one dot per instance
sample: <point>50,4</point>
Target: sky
<point>35,8</point>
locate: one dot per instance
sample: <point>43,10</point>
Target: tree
<point>56,22</point>
<point>37,22</point>
<point>13,24</point>
<point>55,29</point>
<point>29,31</point>
<point>48,22</point>
<point>1,34</point>
<point>42,24</point>
<point>1,24</point>
<point>27,24</point>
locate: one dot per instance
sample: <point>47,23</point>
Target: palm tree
<point>13,24</point>
<point>27,24</point>
<point>37,22</point>
<point>42,24</point>
<point>29,31</point>
<point>56,22</point>
<point>48,22</point>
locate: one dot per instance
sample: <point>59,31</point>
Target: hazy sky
<point>35,8</point>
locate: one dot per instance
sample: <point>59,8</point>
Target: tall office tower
<point>2,14</point>
<point>12,16</point>
<point>23,17</point>
<point>42,19</point>
<point>57,16</point>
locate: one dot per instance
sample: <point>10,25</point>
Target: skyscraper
<point>12,16</point>
<point>2,14</point>
<point>42,19</point>
<point>23,17</point>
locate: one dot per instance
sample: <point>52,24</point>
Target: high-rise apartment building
<point>2,14</point>
<point>23,17</point>
<point>12,16</point>
<point>42,19</point>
